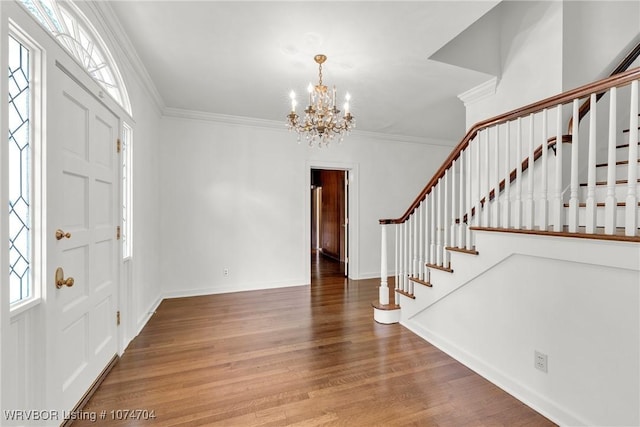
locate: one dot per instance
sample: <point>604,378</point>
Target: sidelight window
<point>20,155</point>
<point>127,161</point>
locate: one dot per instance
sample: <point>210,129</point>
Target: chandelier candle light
<point>322,122</point>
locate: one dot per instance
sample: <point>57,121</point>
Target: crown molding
<point>180,113</point>
<point>482,91</point>
<point>407,139</point>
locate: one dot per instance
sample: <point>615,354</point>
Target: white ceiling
<point>243,58</point>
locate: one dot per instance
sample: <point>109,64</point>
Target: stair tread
<point>439,267</point>
<point>421,282</point>
<point>618,163</point>
<point>462,250</point>
<point>619,181</point>
<point>600,204</point>
<point>406,294</point>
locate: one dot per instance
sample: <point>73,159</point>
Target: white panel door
<point>83,201</point>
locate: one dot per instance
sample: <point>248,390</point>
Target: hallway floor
<point>301,356</point>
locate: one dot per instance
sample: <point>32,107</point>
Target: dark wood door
<point>332,221</point>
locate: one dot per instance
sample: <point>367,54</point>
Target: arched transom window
<point>74,31</point>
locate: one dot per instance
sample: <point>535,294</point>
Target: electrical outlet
<point>225,272</point>
<point>540,361</point>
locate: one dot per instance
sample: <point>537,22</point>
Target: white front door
<point>82,200</point>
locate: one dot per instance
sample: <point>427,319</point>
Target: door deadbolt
<point>61,281</point>
<point>60,234</point>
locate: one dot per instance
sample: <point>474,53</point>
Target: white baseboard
<point>539,403</point>
<point>229,289</point>
<point>142,320</point>
<point>364,276</point>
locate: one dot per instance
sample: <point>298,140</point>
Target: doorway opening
<point>330,216</point>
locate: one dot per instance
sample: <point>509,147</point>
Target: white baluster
<point>469,205</point>
<point>432,252</point>
<point>445,218</point>
<point>506,211</point>
<point>496,168</point>
<point>397,277</point>
<point>403,257</point>
<point>400,284</point>
<point>409,251</point>
<point>558,217</point>
<point>462,227</point>
<point>410,248</point>
<point>610,201</point>
<point>407,282</point>
<point>414,237</point>
<point>453,239</point>
<point>631,202</point>
<point>384,287</point>
<point>439,223</point>
<point>486,164</point>
<point>476,179</point>
<point>544,184</point>
<point>421,210</point>
<point>528,203</point>
<point>517,207</point>
<point>412,252</point>
<point>407,266</point>
<point>590,213</point>
<point>427,234</point>
<point>572,219</point>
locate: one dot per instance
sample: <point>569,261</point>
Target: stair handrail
<point>622,66</point>
<point>599,86</point>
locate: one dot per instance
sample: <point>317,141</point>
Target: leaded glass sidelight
<point>127,159</point>
<point>20,187</point>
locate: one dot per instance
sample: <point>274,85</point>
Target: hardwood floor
<point>299,356</point>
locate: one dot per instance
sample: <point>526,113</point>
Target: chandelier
<point>321,122</point>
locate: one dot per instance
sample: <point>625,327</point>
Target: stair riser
<point>621,172</point>
<point>622,154</point>
<point>601,193</point>
<point>600,220</point>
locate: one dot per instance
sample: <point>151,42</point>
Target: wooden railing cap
<point>560,99</point>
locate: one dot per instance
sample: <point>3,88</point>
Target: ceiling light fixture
<point>321,122</point>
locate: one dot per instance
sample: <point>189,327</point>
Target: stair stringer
<point>466,268</point>
<point>581,309</point>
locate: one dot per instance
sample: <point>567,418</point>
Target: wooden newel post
<point>384,286</point>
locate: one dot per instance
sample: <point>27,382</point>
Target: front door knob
<point>61,281</point>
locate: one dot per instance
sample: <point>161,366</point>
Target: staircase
<point>516,234</point>
<point>621,187</point>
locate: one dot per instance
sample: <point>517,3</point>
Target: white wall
<point>595,36</point>
<point>550,47</point>
<point>575,300</point>
<point>530,38</point>
<point>237,197</point>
